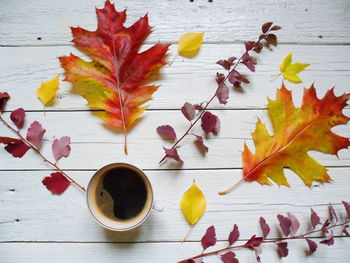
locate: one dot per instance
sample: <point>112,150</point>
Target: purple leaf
<point>285,224</point>
<point>172,153</point>
<point>329,240</point>
<point>332,212</point>
<point>258,47</point>
<point>231,59</point>
<point>235,78</point>
<point>315,219</point>
<point>229,257</point>
<point>264,227</point>
<point>17,148</point>
<point>61,147</point>
<point>249,62</point>
<point>210,123</point>
<point>35,134</point>
<point>200,143</point>
<point>209,238</point>
<point>253,242</point>
<point>347,208</point>
<point>312,245</point>
<point>282,249</point>
<point>295,223</point>
<point>324,226</point>
<point>219,78</point>
<point>167,132</point>
<point>225,64</point>
<point>249,45</point>
<point>17,117</point>
<point>189,111</point>
<point>272,39</point>
<point>223,93</point>
<point>265,27</point>
<point>4,97</point>
<point>234,235</point>
<point>274,28</point>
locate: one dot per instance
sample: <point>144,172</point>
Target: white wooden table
<point>47,228</point>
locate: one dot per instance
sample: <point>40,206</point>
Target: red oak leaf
<point>61,147</point>
<point>35,134</point>
<point>15,147</point>
<point>209,238</point>
<point>312,245</point>
<point>234,235</point>
<point>329,240</point>
<point>172,153</point>
<point>347,208</point>
<point>282,249</point>
<point>114,80</point>
<point>285,224</point>
<point>264,227</point>
<point>229,257</point>
<point>188,110</point>
<point>56,183</point>
<point>167,132</point>
<point>18,116</point>
<point>295,223</point>
<point>4,97</point>
<point>314,218</point>
<point>200,143</point>
<point>210,123</point>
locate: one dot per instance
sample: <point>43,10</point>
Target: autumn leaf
<point>17,148</point>
<point>47,91</point>
<point>114,80</point>
<point>35,134</point>
<point>290,70</point>
<point>189,44</point>
<point>296,132</point>
<point>56,183</point>
<point>61,147</point>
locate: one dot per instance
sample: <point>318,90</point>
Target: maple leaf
<point>114,81</point>
<point>296,131</point>
<point>290,70</point>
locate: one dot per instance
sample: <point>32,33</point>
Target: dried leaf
<point>264,227</point>
<point>172,153</point>
<point>189,44</point>
<point>193,204</point>
<point>210,123</point>
<point>282,248</point>
<point>17,117</point>
<point>290,70</point>
<point>229,257</point>
<point>199,141</point>
<point>285,224</point>
<point>167,132</point>
<point>314,218</point>
<point>4,97</point>
<point>234,235</point>
<point>47,91</point>
<point>295,223</point>
<point>312,245</point>
<point>61,147</point>
<point>35,134</point>
<point>56,183</point>
<point>189,111</point>
<point>209,238</point>
<point>17,148</point>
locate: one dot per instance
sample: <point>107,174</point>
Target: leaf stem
<point>70,179</point>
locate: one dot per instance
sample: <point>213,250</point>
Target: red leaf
<point>258,47</point>
<point>285,224</point>
<point>271,39</point>
<point>312,245</point>
<point>56,183</point>
<point>265,27</point>
<point>234,235</point>
<point>209,238</point>
<point>332,212</point>
<point>223,93</point>
<point>199,141</point>
<point>18,116</point>
<point>35,134</point>
<point>224,63</point>
<point>4,97</point>
<point>274,28</point>
<point>264,226</point>
<point>235,78</point>
<point>61,147</point>
<point>329,239</point>
<point>172,153</point>
<point>188,110</point>
<point>167,132</point>
<point>347,208</point>
<point>249,62</point>
<point>219,78</point>
<point>315,219</point>
<point>229,257</point>
<point>295,223</point>
<point>253,242</point>
<point>210,123</point>
<point>249,45</point>
<point>282,249</point>
<point>324,226</point>
<point>15,147</point>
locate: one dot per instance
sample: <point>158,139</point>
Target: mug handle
<point>158,207</point>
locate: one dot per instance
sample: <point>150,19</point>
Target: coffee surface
<point>128,192</point>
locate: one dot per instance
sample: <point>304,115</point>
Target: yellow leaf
<point>193,204</point>
<point>47,91</point>
<point>189,44</point>
<point>290,70</point>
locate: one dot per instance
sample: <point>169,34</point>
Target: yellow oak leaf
<point>189,44</point>
<point>47,91</point>
<point>290,70</point>
<point>193,204</point>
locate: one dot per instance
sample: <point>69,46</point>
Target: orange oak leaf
<point>114,80</point>
<point>296,131</point>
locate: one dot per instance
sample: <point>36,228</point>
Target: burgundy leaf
<point>200,143</point>
<point>223,93</point>
<point>329,240</point>
<point>295,223</point>
<point>324,226</point>
<point>234,235</point>
<point>225,64</point>
<point>61,147</point>
<point>332,212</point>
<point>209,239</point>
<point>236,78</point>
<point>249,45</point>
<point>264,227</point>
<point>312,245</point>
<point>265,27</point>
<point>172,153</point>
<point>271,39</point>
<point>315,219</point>
<point>56,183</point>
<point>188,110</point>
<point>282,249</point>
<point>253,242</point>
<point>345,231</point>
<point>210,123</point>
<point>258,47</point>
<point>347,208</point>
<point>229,257</point>
<point>15,147</point>
<point>167,132</point>
<point>231,59</point>
<point>35,134</point>
<point>17,117</point>
<point>219,78</point>
<point>274,28</point>
<point>285,224</point>
<point>4,97</point>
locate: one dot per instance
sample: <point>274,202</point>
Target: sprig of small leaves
<point>289,225</point>
<point>210,123</point>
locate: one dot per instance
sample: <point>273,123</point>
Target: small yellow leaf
<point>189,44</point>
<point>193,204</point>
<point>290,70</point>
<point>47,91</point>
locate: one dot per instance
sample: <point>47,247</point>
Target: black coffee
<point>128,191</point>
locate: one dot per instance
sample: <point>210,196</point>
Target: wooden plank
<point>185,80</point>
<point>48,22</point>
<point>94,145</point>
<point>45,217</point>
